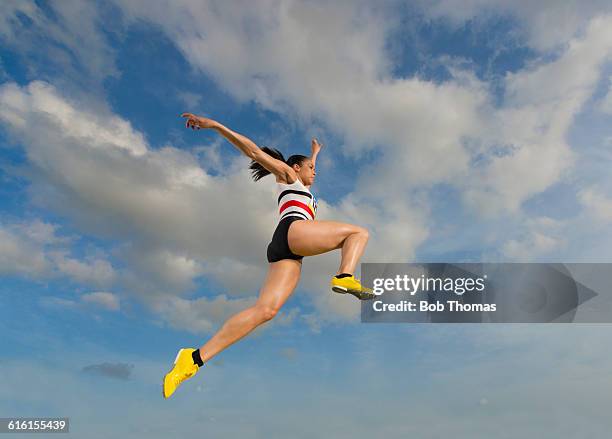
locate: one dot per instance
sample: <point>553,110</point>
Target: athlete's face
<point>307,172</point>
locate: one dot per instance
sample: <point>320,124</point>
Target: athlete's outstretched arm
<point>280,169</point>
<point>316,147</point>
<point>243,143</point>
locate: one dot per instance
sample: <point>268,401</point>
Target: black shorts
<point>278,249</point>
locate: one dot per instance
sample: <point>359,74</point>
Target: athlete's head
<point>304,168</point>
<point>301,164</point>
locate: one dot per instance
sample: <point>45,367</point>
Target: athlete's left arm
<point>315,147</point>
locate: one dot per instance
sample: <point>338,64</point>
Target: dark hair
<point>258,171</point>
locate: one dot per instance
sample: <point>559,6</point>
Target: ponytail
<point>258,171</point>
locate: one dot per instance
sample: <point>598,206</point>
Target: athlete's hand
<point>198,122</point>
<point>315,145</point>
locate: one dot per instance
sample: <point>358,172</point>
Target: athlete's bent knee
<point>363,232</point>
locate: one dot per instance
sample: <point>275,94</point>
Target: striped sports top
<point>295,200</point>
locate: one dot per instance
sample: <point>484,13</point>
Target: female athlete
<point>297,234</point>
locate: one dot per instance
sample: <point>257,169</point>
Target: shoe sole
<point>358,294</point>
<point>173,364</point>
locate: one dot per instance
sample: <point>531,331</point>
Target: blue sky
<point>454,130</point>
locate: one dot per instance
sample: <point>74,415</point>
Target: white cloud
<point>536,239</point>
<point>21,257</point>
<point>93,271</point>
<point>606,103</point>
<point>530,247</point>
<point>103,299</point>
<point>598,204</point>
<point>40,232</point>
<point>166,269</point>
<point>546,24</point>
<point>66,36</point>
<point>92,130</point>
<point>34,249</point>
<point>191,100</point>
<point>540,106</point>
<point>202,314</point>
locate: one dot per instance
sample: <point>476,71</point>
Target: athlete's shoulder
<point>294,183</point>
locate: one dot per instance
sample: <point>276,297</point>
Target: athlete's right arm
<point>283,172</point>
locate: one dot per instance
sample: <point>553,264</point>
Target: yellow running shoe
<point>352,286</point>
<point>184,368</point>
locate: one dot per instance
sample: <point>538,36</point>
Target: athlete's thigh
<point>281,280</point>
<point>309,238</point>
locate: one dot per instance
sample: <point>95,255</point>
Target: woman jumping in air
<point>297,234</point>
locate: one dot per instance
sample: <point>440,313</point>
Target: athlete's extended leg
<point>282,279</point>
<point>280,282</point>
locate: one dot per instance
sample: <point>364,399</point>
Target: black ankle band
<point>197,359</point>
<point>341,275</point>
